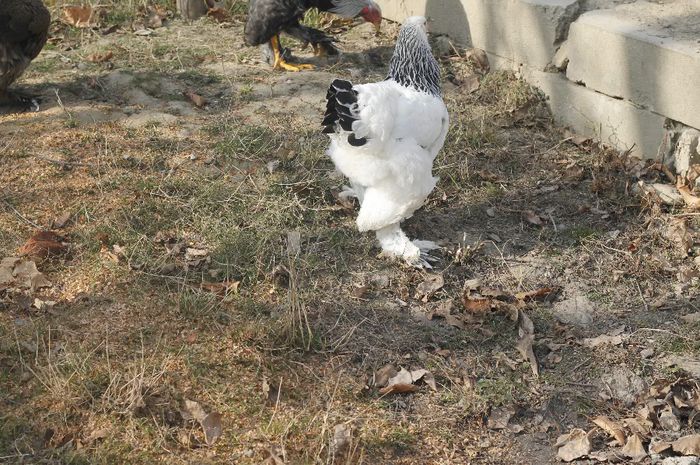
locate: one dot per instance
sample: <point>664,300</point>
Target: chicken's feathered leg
<point>395,244</point>
<point>280,61</point>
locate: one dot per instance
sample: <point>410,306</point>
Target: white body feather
<point>392,173</point>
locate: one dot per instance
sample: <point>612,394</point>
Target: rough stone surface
<point>577,311</point>
<point>523,31</point>
<point>687,151</point>
<point>639,61</point>
<point>632,52</point>
<point>615,122</point>
<point>623,385</point>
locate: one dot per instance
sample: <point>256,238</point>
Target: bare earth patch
<point>207,298</point>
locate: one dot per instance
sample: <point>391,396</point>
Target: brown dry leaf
<point>476,305</point>
<point>526,337</point>
<point>222,288</point>
<point>272,392</point>
<point>603,339</point>
<point>98,434</point>
<point>691,201</point>
<point>404,381</point>
<point>455,320</point>
<point>402,377</point>
<point>212,427</point>
<point>440,309</point>
<point>43,244</point>
<point>100,57</point>
<point>399,388</point>
<point>78,16</point>
<point>687,445</point>
<point>219,14</point>
<point>426,376</point>
<point>610,427</point>
<point>638,425</point>
<point>195,98</point>
<point>359,292</point>
<point>634,448</point>
<point>61,220</point>
<point>499,418</point>
<point>471,83</point>
<point>538,294</point>
<point>669,421</point>
<point>342,439</point>
<point>657,447</point>
<point>533,218</point>
<point>7,267</point>
<point>384,374</point>
<point>677,230</point>
<point>430,286</point>
<point>479,58</point>
<point>27,276</point>
<point>574,445</point>
<point>154,20</point>
<point>193,411</point>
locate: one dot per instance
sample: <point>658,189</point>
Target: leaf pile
<point>663,425</point>
<point>20,275</point>
<point>390,381</point>
<point>479,300</point>
<point>210,422</point>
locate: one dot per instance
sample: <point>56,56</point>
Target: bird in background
<point>384,138</point>
<point>24,28</point>
<point>268,18</point>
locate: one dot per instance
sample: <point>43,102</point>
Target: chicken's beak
<point>377,27</point>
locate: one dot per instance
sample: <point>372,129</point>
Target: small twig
<point>29,222</point>
<point>553,223</point>
<point>68,164</point>
<point>641,296</point>
<point>684,215</point>
<point>665,331</point>
<point>576,368</point>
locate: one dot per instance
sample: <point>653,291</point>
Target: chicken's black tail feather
<point>341,111</point>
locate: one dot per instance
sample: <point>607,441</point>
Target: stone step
<point>647,53</point>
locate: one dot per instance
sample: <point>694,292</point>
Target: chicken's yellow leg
<point>279,61</point>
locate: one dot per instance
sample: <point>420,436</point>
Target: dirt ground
<point>210,301</point>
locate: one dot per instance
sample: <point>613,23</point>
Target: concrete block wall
<point>624,71</point>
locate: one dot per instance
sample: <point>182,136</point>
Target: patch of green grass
<point>398,438</point>
<point>581,233</point>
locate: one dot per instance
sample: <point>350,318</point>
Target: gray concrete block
<point>622,55</point>
<point>615,122</point>
<point>523,31</point>
<point>687,152</point>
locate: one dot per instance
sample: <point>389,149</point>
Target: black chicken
<point>267,18</point>
<point>24,27</point>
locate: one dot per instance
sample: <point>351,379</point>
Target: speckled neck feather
<point>413,63</point>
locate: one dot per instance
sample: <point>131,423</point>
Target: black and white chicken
<point>24,28</point>
<point>384,138</point>
<point>268,18</point>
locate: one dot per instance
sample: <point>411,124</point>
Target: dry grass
<point>138,327</point>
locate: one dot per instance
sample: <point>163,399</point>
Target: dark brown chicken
<point>268,18</point>
<point>24,27</point>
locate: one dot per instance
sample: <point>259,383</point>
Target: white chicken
<point>384,138</point>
